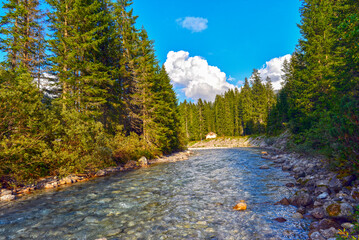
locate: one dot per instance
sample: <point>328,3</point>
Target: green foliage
<point>319,100</point>
<point>131,147</point>
<point>106,75</point>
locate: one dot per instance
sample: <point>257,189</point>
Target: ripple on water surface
<point>184,200</point>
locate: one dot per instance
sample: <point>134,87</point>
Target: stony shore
<point>222,142</point>
<point>327,198</point>
<point>56,182</point>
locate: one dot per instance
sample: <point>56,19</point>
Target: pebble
<point>280,219</point>
<point>347,225</point>
<point>131,224</point>
<point>91,220</point>
<point>297,215</point>
<point>202,223</point>
<point>323,195</point>
<point>264,167</point>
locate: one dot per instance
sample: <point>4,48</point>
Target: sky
<point>210,46</point>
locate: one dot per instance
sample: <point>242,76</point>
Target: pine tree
<point>167,128</point>
<point>83,78</point>
<point>246,108</point>
<point>22,36</point>
<point>258,94</point>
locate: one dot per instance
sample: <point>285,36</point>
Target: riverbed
<point>192,199</point>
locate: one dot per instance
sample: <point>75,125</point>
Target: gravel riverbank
<point>328,198</point>
<point>7,195</point>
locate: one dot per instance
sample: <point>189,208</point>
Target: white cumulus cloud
<point>195,77</point>
<point>273,69</point>
<point>195,24</point>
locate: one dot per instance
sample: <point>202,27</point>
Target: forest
<point>235,113</point>
<point>319,101</point>
<point>80,89</point>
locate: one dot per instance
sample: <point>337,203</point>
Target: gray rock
<point>297,215</point>
<point>7,198</point>
<point>5,191</point>
<point>318,213</point>
<point>338,210</point>
<point>322,183</point>
<point>279,161</point>
<point>327,223</point>
<point>316,236</point>
<point>348,226</point>
<point>328,233</point>
<point>287,167</point>
<point>323,195</point>
<point>335,184</point>
<point>318,204</point>
<point>143,161</point>
<point>100,173</point>
<point>301,199</point>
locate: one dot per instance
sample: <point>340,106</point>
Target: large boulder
<point>301,199</point>
<point>8,197</point>
<point>328,233</point>
<point>316,236</point>
<point>335,184</point>
<point>338,210</point>
<point>143,162</point>
<point>318,213</point>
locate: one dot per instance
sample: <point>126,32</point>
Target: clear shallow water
<point>184,200</point>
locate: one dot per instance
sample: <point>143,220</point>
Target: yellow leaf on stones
<point>240,206</point>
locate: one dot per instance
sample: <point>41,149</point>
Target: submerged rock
<point>264,167</point>
<point>280,219</point>
<point>284,202</point>
<point>240,206</point>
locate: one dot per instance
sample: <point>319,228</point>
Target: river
<point>192,199</point>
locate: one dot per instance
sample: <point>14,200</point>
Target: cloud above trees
<point>273,70</point>
<point>195,77</point>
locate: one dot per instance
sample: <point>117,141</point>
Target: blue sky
<point>232,38</point>
<point>241,34</point>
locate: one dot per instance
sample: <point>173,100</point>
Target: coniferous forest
<point>319,101</point>
<point>235,113</point>
<point>80,89</point>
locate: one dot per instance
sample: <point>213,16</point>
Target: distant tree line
<point>320,98</point>
<point>234,113</point>
<point>108,100</point>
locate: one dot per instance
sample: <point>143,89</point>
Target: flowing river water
<point>192,199</point>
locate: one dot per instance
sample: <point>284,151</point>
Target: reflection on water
<point>184,200</point>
